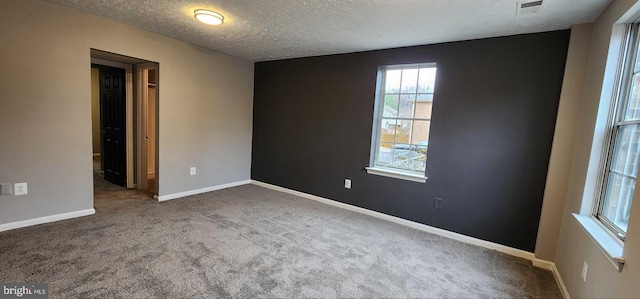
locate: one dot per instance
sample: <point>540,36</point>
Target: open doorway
<point>111,123</point>
<point>124,97</point>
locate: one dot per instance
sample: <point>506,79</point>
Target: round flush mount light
<point>208,17</point>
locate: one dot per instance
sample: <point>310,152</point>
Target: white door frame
<point>129,118</point>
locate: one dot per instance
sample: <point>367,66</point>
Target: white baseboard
<point>547,265</point>
<point>551,266</point>
<point>46,219</point>
<point>560,282</point>
<point>202,190</point>
<point>419,226</point>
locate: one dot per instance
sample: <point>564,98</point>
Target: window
<point>621,167</point>
<point>400,140</point>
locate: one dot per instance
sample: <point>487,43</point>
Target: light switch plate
<point>20,188</point>
<point>347,183</point>
<point>192,171</point>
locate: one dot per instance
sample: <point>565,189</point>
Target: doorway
<point>112,123</point>
<point>125,122</point>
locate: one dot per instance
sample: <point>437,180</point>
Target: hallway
<point>109,196</point>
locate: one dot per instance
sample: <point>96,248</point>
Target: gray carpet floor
<point>252,242</point>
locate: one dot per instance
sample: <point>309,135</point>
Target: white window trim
<point>610,245</point>
<point>617,110</point>
<point>606,241</point>
<point>374,169</point>
<point>396,173</point>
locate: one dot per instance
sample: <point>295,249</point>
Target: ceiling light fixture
<point>208,17</point>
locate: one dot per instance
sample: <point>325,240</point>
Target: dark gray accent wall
<point>494,113</point>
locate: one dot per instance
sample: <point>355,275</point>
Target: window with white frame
<point>404,100</point>
<point>620,169</point>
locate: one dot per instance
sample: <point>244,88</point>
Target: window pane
<point>633,108</point>
<point>409,80</point>
<point>426,80</point>
<point>406,105</point>
<point>392,81</point>
<point>625,151</point>
<point>406,157</point>
<point>617,201</point>
<point>390,106</point>
<point>425,97</point>
<point>384,154</point>
<point>423,108</point>
<point>420,135</point>
<point>401,158</point>
<point>388,130</point>
<point>403,131</point>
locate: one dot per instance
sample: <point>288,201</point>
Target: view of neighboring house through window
<point>404,102</point>
<point>622,162</point>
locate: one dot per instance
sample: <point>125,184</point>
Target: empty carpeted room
<point>319,149</point>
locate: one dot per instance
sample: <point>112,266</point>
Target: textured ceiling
<point>261,30</point>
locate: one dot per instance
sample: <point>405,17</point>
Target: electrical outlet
<point>347,183</point>
<point>585,267</point>
<point>5,189</point>
<point>192,171</point>
<point>437,203</point>
<point>20,188</point>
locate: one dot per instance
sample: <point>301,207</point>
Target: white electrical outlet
<point>5,189</point>
<point>193,171</point>
<point>585,267</point>
<point>20,188</point>
<point>347,183</point>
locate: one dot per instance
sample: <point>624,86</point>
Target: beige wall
<point>574,246</point>
<point>95,109</point>
<point>566,125</point>
<point>205,107</point>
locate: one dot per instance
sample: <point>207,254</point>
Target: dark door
<point>113,124</point>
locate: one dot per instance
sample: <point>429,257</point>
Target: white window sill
<point>397,174</point>
<point>610,245</point>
